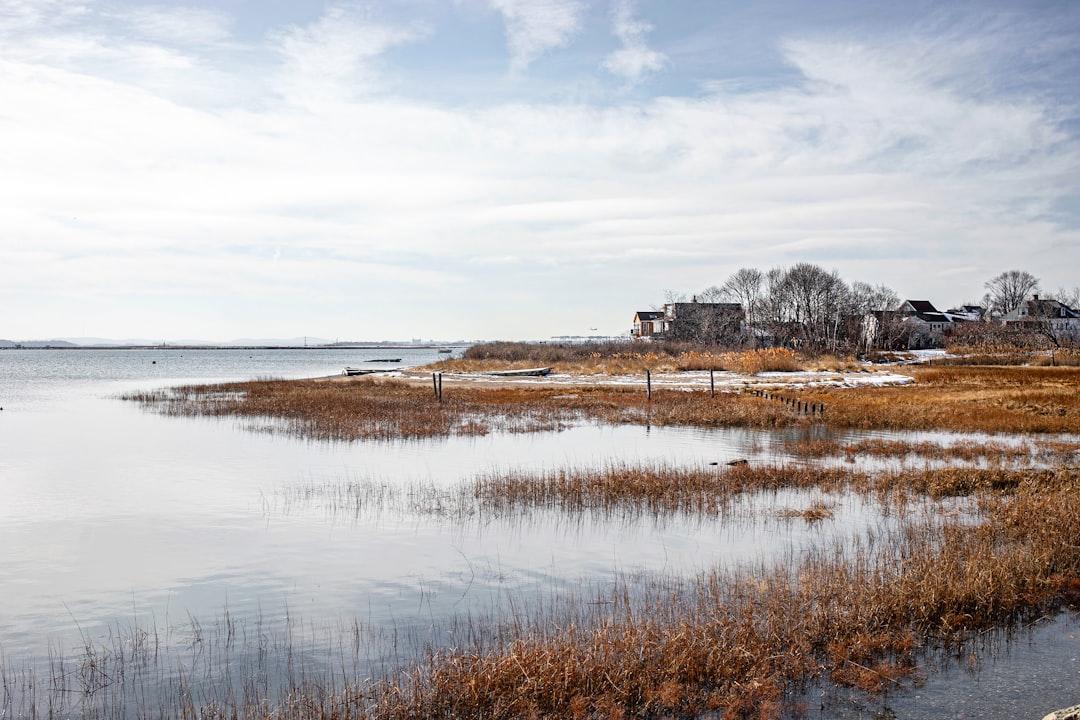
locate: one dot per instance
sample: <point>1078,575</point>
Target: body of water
<point>115,521</point>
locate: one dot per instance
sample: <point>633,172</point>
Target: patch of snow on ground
<point>693,380</point>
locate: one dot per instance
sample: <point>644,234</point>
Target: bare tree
<point>1070,298</point>
<point>773,312</point>
<point>674,296</point>
<point>877,325</point>
<point>711,294</point>
<point>746,288</point>
<point>1009,289</point>
<point>818,302</point>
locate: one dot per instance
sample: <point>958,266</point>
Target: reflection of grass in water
<point>742,641</point>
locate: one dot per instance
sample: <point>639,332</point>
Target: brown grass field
<point>963,398</point>
<point>738,643</point>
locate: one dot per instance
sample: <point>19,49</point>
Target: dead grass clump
<point>1058,358</point>
<point>817,512</point>
<point>831,363</point>
<point>704,491</point>
<point>967,451</point>
<point>362,409</point>
<point>965,481</point>
<point>753,362</point>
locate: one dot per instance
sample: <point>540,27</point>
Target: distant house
<point>1050,318</point>
<point>968,313</point>
<point>926,326</point>
<point>648,323</point>
<point>691,321</point>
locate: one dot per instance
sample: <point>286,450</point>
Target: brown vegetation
<point>987,399</point>
<point>627,359</point>
<point>997,399</point>
<point>741,644</point>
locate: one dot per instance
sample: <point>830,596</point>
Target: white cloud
<point>533,27</point>
<point>178,26</point>
<point>634,59</point>
<point>334,56</point>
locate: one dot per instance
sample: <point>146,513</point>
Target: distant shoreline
<point>358,346</point>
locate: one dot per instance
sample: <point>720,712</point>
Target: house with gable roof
<point>648,323</point>
<point>1050,318</point>
<point>707,322</point>
<point>926,325</point>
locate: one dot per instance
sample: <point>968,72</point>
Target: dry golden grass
<point>995,400</point>
<point>989,399</point>
<point>636,359</point>
<point>740,644</point>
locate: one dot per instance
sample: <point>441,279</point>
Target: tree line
<point>815,310</point>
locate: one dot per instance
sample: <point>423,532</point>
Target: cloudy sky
<point>517,168</point>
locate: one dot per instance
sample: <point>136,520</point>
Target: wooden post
<point>435,385</point>
<point>440,387</point>
<point>648,385</point>
<point>712,383</point>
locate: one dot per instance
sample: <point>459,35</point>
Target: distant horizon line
<point>60,343</point>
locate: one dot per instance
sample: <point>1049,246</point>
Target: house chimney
<point>693,298</point>
<point>1035,298</point>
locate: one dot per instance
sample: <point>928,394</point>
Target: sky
<point>517,169</point>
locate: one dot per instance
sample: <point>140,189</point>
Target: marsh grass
<point>366,409</point>
<point>728,642</point>
<point>743,643</point>
<point>968,399</point>
<point>992,400</point>
<point>733,643</point>
<point>628,359</point>
<point>614,493</point>
<point>970,451</point>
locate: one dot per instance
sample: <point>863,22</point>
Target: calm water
<point>112,518</point>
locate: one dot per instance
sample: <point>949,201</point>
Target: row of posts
<point>798,405</point>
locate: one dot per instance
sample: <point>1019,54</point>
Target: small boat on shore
<point>526,372</point>
<point>358,371</point>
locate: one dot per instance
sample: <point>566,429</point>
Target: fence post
<point>712,383</point>
<point>435,385</point>
<point>440,387</point>
<point>648,385</point>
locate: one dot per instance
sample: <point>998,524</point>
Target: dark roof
<point>922,306</point>
<point>1050,309</point>
<point>646,315</point>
